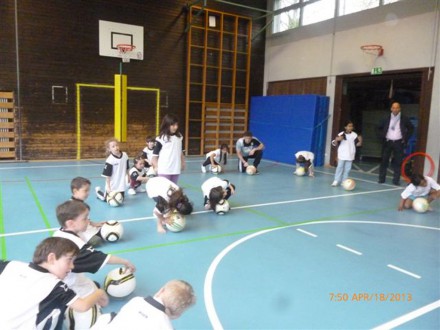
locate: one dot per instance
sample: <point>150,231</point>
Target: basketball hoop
<point>376,50</point>
<point>371,54</point>
<point>125,51</point>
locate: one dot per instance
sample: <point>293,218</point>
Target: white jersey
<point>347,147</point>
<point>212,183</point>
<point>217,155</point>
<point>160,186</point>
<point>169,152</point>
<point>148,153</point>
<point>88,260</point>
<point>31,297</point>
<point>116,168</point>
<point>412,190</point>
<point>308,155</point>
<point>138,314</point>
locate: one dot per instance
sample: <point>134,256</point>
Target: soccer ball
<point>349,184</point>
<point>420,205</point>
<point>216,169</point>
<point>151,173</point>
<point>115,198</point>
<point>119,282</point>
<point>84,320</point>
<point>300,171</point>
<point>177,222</point>
<point>222,207</point>
<point>251,170</point>
<point>112,231</point>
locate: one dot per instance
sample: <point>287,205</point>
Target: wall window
<point>318,11</point>
<point>290,14</point>
<point>349,6</point>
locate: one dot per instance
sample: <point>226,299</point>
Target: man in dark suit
<point>395,130</point>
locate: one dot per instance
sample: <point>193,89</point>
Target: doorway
<point>365,99</point>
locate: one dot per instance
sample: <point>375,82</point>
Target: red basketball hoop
<point>125,51</point>
<point>372,49</point>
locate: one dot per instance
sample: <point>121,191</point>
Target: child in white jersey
<point>138,176</point>
<point>347,140</point>
<point>168,159</point>
<point>168,197</point>
<point>215,190</point>
<point>151,312</point>
<point>215,157</point>
<point>147,152</point>
<point>115,170</point>
<point>305,159</point>
<point>420,186</point>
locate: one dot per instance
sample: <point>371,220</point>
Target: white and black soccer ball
<point>119,282</point>
<point>112,231</point>
<point>115,198</point>
<point>177,222</point>
<point>81,320</point>
<point>222,207</point>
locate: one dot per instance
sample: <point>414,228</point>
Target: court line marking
<point>2,227</point>
<point>408,317</point>
<point>306,232</point>
<point>207,288</point>
<point>233,208</point>
<point>348,249</point>
<point>404,271</point>
<point>48,166</point>
<point>37,202</point>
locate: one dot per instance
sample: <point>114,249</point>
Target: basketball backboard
<point>112,34</point>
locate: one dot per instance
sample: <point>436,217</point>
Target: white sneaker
<point>335,184</point>
<point>131,191</point>
<point>99,194</point>
<point>203,168</point>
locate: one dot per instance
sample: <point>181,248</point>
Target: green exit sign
<point>377,70</point>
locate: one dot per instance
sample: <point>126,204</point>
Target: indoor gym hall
<point>292,253</point>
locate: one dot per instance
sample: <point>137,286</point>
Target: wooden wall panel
<point>58,45</point>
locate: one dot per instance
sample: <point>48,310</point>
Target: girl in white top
<point>169,197</point>
<point>420,186</point>
<point>215,190</point>
<point>348,140</point>
<point>168,158</point>
<point>215,157</point>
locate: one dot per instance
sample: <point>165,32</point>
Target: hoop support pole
<point>121,107</point>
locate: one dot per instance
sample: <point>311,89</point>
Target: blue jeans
<point>342,170</point>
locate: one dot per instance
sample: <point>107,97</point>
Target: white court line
<point>307,232</point>
<point>408,317</point>
<point>206,211</point>
<point>349,249</point>
<point>47,166</point>
<point>404,271</point>
<point>315,198</point>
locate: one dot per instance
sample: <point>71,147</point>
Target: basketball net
<point>371,53</point>
<point>125,51</point>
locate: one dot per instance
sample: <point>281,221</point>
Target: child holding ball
<point>347,141</point>
<point>215,190</point>
<point>215,157</point>
<point>169,197</point>
<point>115,170</point>
<point>305,159</point>
<point>420,186</point>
